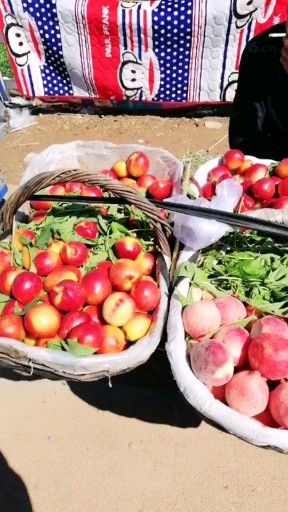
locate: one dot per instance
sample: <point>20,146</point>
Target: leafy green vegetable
<point>252,268</point>
<point>16,255</point>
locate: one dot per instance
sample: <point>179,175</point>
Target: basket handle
<point>46,179</point>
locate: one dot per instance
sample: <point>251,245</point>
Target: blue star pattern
<point>56,80</point>
<point>172,38</point>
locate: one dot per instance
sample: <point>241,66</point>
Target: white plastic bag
<point>94,156</point>
<point>196,232</point>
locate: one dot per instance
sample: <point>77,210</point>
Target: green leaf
<point>31,304</point>
<point>24,240</point>
<point>95,259</point>
<point>32,253</point>
<point>78,350</point>
<point>113,210</point>
<point>54,346</point>
<point>116,227</point>
<point>4,298</point>
<point>5,245</point>
<point>16,255</point>
<point>182,299</point>
<point>44,237</point>
<point>102,224</point>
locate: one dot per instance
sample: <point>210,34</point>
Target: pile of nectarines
<point>240,355</point>
<point>82,276</point>
<point>134,172</point>
<point>263,186</point>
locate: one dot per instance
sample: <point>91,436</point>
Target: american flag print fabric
<point>167,51</point>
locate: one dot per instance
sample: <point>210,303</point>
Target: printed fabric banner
<point>185,51</point>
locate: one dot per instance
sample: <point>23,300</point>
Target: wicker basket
<point>21,357</point>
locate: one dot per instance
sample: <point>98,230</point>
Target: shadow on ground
<point>13,493</point>
<point>148,393</point>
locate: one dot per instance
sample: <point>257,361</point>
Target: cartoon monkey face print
<point>16,40</point>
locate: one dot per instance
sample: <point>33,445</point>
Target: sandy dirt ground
<point>135,446</point>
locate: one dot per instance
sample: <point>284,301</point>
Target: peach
<point>269,325</point>
<point>138,164</point>
<point>23,237</point>
<point>120,169</point>
<point>282,168</point>
<point>46,261</point>
<point>129,182</point>
<point>232,159</point>
<point>5,259</point>
<point>118,309</point>
<point>247,392</point>
<point>91,192</point>
<point>137,327</point>
<point>87,229</point>
<point>208,190</point>
<point>60,274</point>
<point>146,180</point>
<point>211,362</point>
<point>7,277</point>
<point>74,253</point>
<point>12,306</point>
<point>160,189</point>
<point>57,190</point>
<point>125,274</point>
<point>38,216</point>
<point>278,404</point>
<point>73,187</point>
<point>31,342</point>
<point>146,295</point>
<point>41,205</point>
<point>67,296</point>
<point>56,246</point>
<point>113,340</point>
<point>71,320</point>
<point>88,334</point>
<point>218,392</point>
<point>109,173</point>
<point>42,321</point>
<point>256,172</point>
<point>146,262</point>
<point>201,318</point>
<point>266,419</point>
<point>27,256</point>
<point>244,166</point>
<point>231,309</point>
<point>237,340</point>
<point>95,314</point>
<point>127,247</point>
<point>96,286</point>
<point>217,172</point>
<point>11,326</point>
<point>269,355</point>
<point>26,287</point>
